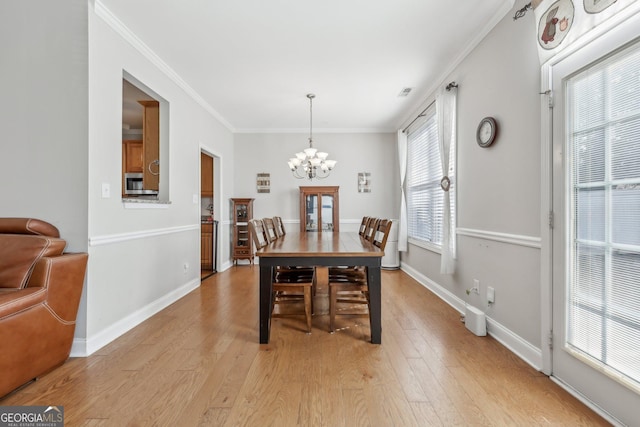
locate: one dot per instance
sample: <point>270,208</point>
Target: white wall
<point>355,152</point>
<point>43,116</point>
<point>137,256</point>
<point>498,187</point>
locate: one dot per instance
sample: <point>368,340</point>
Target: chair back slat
<point>370,231</point>
<point>382,233</point>
<point>363,225</point>
<point>280,231</point>
<point>270,229</point>
<point>258,233</point>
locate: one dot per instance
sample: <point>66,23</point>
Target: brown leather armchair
<point>40,289</point>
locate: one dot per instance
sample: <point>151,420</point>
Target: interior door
<point>594,232</point>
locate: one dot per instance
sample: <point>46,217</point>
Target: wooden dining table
<point>321,250</point>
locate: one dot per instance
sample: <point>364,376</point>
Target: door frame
<point>217,196</point>
<point>612,34</point>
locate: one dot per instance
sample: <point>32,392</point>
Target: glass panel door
<point>312,212</point>
<point>326,214</point>
<point>596,243</point>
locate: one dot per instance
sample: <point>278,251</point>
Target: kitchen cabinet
<point>319,209</point>
<point>151,144</point>
<point>206,247</point>
<point>132,153</point>
<point>242,245</point>
<point>206,175</point>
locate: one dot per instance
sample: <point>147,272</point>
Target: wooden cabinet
<point>319,209</point>
<point>206,247</point>
<point>242,245</point>
<point>206,175</point>
<point>151,144</point>
<point>132,155</point>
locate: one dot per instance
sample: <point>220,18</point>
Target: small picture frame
<point>263,183</point>
<point>364,182</point>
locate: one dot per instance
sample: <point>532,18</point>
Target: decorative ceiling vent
<point>405,91</point>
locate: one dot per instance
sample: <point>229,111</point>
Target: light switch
<point>195,199</point>
<point>106,190</point>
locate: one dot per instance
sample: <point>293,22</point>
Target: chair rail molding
<point>514,239</point>
<point>123,237</point>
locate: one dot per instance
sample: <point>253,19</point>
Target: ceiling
<point>254,61</point>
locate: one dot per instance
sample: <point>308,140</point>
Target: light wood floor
<point>198,362</point>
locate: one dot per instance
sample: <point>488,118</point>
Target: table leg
<point>374,282</point>
<point>321,296</point>
<point>266,301</point>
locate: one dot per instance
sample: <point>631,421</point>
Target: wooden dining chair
<point>270,228</point>
<point>290,286</point>
<point>348,285</point>
<point>370,228</point>
<point>363,225</point>
<point>280,231</point>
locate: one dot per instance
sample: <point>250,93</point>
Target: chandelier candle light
<point>311,163</point>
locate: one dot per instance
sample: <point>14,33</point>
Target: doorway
<point>208,222</point>
<point>595,242</point>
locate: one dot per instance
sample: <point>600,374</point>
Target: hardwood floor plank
<point>198,363</point>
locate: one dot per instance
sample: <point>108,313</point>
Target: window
<point>145,149</point>
<point>424,172</point>
<point>603,320</point>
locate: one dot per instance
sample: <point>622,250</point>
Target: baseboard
<point>85,347</point>
<point>225,266</point>
<point>519,346</point>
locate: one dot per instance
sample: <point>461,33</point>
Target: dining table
<point>321,250</point>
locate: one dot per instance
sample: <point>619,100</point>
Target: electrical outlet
<point>476,287</point>
<point>491,295</point>
<point>185,266</point>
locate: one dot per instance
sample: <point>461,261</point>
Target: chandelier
<point>311,163</point>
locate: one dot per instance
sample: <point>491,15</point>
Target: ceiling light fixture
<point>311,163</point>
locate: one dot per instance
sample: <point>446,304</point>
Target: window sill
<point>426,245</point>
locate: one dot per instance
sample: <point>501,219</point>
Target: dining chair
<point>348,285</point>
<point>290,285</point>
<point>270,229</point>
<point>370,228</point>
<point>363,225</point>
<point>280,231</point>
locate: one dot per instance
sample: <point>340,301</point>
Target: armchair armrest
<point>13,301</point>
<point>62,277</point>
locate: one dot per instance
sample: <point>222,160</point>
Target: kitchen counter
<point>141,203</point>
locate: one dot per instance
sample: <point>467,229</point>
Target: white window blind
<point>603,312</point>
<point>424,172</point>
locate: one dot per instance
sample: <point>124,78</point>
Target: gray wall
<point>355,152</point>
<point>144,259</point>
<point>498,187</point>
<point>44,117</point>
<point>62,141</point>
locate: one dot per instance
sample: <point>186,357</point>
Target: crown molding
<point>317,131</point>
<point>429,94</point>
<point>123,31</point>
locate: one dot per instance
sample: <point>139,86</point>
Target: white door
<point>596,237</point>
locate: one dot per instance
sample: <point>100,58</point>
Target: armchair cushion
<point>24,241</point>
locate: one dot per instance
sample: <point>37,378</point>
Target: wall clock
<point>487,132</point>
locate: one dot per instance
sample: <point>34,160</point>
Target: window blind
<point>424,172</point>
<point>603,304</point>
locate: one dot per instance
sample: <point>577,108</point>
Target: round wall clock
<point>487,132</point>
